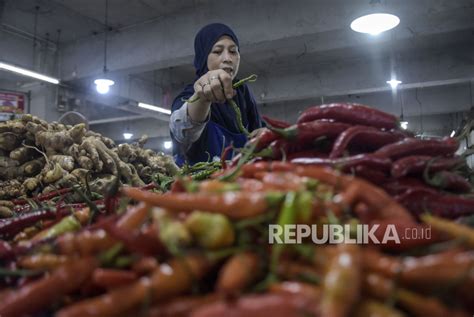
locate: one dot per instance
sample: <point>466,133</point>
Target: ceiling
<point>301,50</point>
<point>80,19</point>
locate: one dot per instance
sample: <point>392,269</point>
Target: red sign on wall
<point>13,102</point>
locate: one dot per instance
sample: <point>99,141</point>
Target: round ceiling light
<point>127,135</point>
<point>103,85</point>
<point>375,23</point>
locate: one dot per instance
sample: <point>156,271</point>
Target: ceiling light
<point>127,135</point>
<point>29,73</point>
<point>154,108</point>
<point>375,23</point>
<point>102,85</point>
<point>393,83</point>
<point>168,145</point>
<point>404,124</point>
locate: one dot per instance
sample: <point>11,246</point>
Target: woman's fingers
<point>199,90</point>
<point>215,86</point>
<point>226,82</point>
<point>207,91</point>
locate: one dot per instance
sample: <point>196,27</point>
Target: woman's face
<point>224,55</point>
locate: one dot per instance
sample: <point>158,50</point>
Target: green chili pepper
<point>304,206</point>
<point>204,174</point>
<point>67,224</point>
<point>211,231</point>
<point>107,257</point>
<point>172,233</point>
<point>123,261</point>
<point>238,115</point>
<point>287,216</point>
<point>249,79</point>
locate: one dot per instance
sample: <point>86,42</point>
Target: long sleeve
<point>185,130</point>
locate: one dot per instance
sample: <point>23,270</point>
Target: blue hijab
<point>222,116</point>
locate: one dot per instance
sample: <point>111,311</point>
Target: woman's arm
<point>198,111</point>
<point>184,129</point>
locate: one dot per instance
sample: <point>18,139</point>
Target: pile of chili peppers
<point>202,249</point>
<point>423,174</point>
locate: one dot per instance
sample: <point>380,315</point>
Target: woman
<point>201,129</point>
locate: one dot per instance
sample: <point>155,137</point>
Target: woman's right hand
<point>214,86</point>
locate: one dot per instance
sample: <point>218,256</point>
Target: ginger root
<point>9,141</point>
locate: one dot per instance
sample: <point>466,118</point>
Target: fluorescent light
<point>29,73</point>
<point>404,124</point>
<point>375,24</point>
<point>127,135</point>
<point>168,144</point>
<point>452,133</point>
<point>154,108</point>
<point>103,85</point>
<point>393,83</point>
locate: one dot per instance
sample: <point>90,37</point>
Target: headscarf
<point>205,40</point>
<point>220,114</point>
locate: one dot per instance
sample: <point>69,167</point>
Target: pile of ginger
<point>38,157</point>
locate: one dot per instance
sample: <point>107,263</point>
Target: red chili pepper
<point>278,166</point>
<point>275,123</point>
<point>448,206</point>
<point>261,141</point>
<point>402,185</point>
<point>449,181</point>
<point>281,147</point>
<point>146,243</point>
<point>178,186</point>
<point>19,201</point>
<point>233,163</point>
<point>346,163</point>
<point>415,164</point>
<point>111,204</point>
<point>225,154</point>
<point>412,146</point>
<point>249,170</point>
<point>112,278</point>
<point>12,226</point>
<point>6,250</point>
<point>44,197</point>
<point>19,209</point>
<point>366,136</point>
<point>307,153</point>
<point>372,175</point>
<point>42,293</point>
<point>351,113</point>
<point>310,131</point>
<point>236,205</point>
